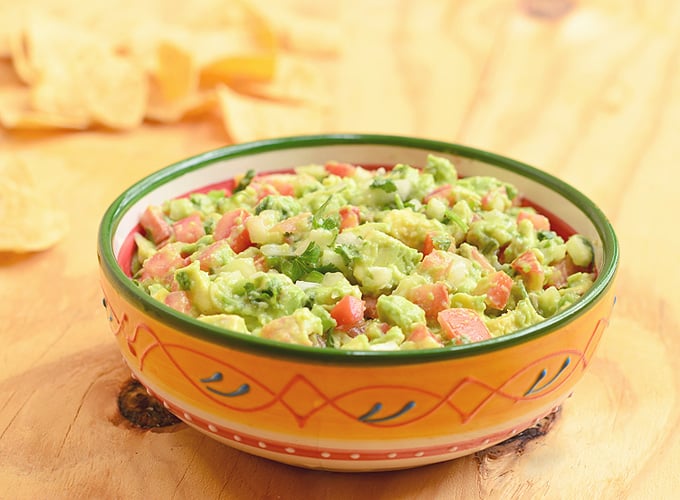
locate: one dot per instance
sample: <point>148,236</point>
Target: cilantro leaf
<point>451,217</point>
<point>347,252</point>
<point>546,235</point>
<point>386,185</point>
<point>245,181</point>
<point>300,265</point>
<point>328,223</point>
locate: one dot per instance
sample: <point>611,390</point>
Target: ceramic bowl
<point>351,411</point>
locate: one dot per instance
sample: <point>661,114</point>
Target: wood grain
<point>589,91</point>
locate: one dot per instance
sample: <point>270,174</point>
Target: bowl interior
<point>554,196</point>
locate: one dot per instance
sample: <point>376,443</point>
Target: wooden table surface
<point>588,90</point>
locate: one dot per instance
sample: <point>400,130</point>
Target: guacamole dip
<point>348,257</point>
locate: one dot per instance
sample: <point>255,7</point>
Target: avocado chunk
<point>331,288</point>
<point>286,206</point>
<point>258,298</point>
<point>522,316</point>
<point>227,321</point>
<point>399,311</point>
<point>410,227</point>
<point>441,169</point>
<point>381,260</point>
<point>580,250</point>
<point>197,284</point>
<point>301,328</point>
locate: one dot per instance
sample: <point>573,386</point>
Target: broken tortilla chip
<point>296,81</point>
<point>28,119</point>
<point>82,78</point>
<point>114,89</point>
<point>235,69</point>
<point>18,51</point>
<point>256,59</point>
<point>30,222</point>
<point>16,113</point>
<point>301,28</point>
<point>248,118</point>
<point>75,65</point>
<point>162,111</point>
<point>176,73</point>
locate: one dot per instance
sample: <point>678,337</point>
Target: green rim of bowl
<point>239,341</point>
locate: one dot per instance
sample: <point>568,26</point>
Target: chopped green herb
<point>546,235</point>
<point>245,181</point>
<point>328,223</point>
<point>298,266</point>
<point>451,217</point>
<point>386,185</point>
<point>183,280</point>
<point>347,252</point>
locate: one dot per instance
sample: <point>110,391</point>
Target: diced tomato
<point>437,264</point>
<point>162,263</point>
<point>348,311</point>
<point>479,258</point>
<point>539,221</point>
<point>340,169</point>
<point>421,334</point>
<point>240,240</point>
<point>529,268</point>
<point>281,184</point>
<point>428,245</point>
<point>499,285</point>
<point>460,324</point>
<point>229,222</point>
<point>263,188</point>
<point>293,224</point>
<point>431,297</point>
<point>436,240</point>
<point>179,301</point>
<point>155,225</point>
<point>210,258</point>
<point>562,270</point>
<point>232,228</point>
<point>189,229</point>
<point>350,216</point>
<point>443,192</point>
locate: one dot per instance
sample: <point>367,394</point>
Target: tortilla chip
<point>304,28</point>
<point>5,50</point>
<point>37,120</point>
<point>8,76</point>
<point>114,88</point>
<point>249,55</point>
<point>247,118</point>
<point>82,78</point>
<point>30,222</point>
<point>237,69</point>
<point>57,94</point>
<point>79,65</point>
<point>16,113</point>
<point>176,73</point>
<point>160,110</point>
<point>17,45</point>
<point>296,81</point>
